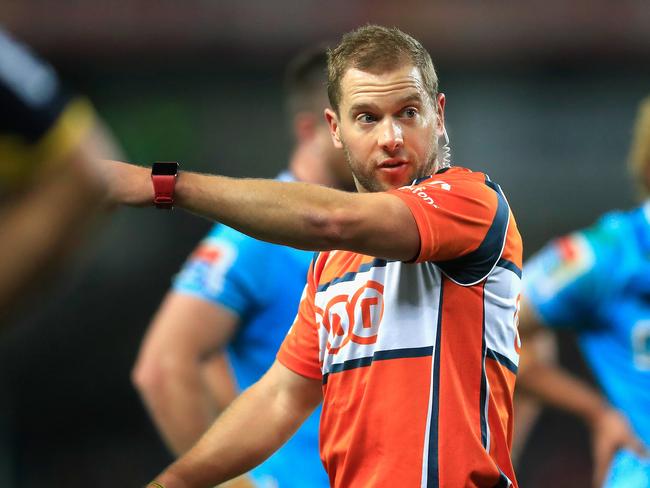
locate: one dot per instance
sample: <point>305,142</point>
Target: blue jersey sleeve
<point>227,268</point>
<point>565,281</point>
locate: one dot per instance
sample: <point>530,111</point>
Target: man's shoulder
<point>615,232</point>
<point>588,254</point>
<point>455,178</point>
<point>458,173</point>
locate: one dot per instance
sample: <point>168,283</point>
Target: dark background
<point>541,95</point>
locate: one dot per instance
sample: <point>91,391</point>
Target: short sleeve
<point>300,350</point>
<point>226,269</point>
<point>462,224</point>
<point>562,281</point>
<point>39,123</point>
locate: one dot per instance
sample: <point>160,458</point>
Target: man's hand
<point>239,482</point>
<point>127,184</point>
<point>611,432</point>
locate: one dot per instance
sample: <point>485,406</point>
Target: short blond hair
<point>640,149</point>
<point>376,48</point>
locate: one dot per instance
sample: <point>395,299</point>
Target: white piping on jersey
<point>427,433</point>
<point>487,399</point>
<point>503,246</point>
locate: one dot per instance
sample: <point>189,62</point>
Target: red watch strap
<point>163,186</point>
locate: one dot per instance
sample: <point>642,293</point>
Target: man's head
<point>316,159</point>
<point>386,111</point>
<point>640,150</point>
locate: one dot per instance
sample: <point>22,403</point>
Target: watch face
<point>164,169</point>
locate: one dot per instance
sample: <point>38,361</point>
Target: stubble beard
<point>371,184</point>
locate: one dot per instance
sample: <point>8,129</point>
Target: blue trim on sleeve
<point>475,266</point>
<point>504,263</point>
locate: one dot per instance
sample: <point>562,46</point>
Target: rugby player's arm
<point>540,376</point>
<point>218,376</point>
<point>180,373</point>
<point>300,215</point>
<point>42,223</point>
<point>257,423</point>
<point>554,386</point>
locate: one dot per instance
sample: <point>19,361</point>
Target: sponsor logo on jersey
<point>353,318</point>
<point>421,190</point>
<point>572,258</point>
<point>216,254</point>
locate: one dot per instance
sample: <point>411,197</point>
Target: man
<point>241,292</point>
<point>597,282</point>
<point>406,329</point>
<point>50,189</point>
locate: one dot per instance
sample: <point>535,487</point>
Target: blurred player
<point>406,329</point>
<point>242,293</point>
<point>49,188</point>
<point>597,282</point>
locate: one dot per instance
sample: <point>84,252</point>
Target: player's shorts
<point>628,471</point>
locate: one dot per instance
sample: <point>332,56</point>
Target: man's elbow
<point>333,229</point>
<point>146,376</point>
<point>152,376</point>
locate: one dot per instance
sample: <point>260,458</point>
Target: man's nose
<point>391,137</point>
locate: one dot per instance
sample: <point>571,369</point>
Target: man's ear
<point>304,126</point>
<point>440,111</point>
<point>335,128</point>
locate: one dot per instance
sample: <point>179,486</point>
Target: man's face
<point>388,126</point>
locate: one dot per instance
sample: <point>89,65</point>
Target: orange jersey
<point>418,360</point>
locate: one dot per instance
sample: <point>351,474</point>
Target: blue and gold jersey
<point>597,282</point>
<point>39,123</point>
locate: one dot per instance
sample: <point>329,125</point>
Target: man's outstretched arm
<point>295,214</point>
<point>250,430</point>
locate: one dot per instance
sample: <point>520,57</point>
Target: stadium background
<point>540,94</point>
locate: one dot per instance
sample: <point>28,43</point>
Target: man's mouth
<point>393,165</point>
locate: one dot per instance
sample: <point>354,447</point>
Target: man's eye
<point>366,118</point>
<point>410,112</point>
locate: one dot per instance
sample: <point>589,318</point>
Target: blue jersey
<point>262,284</point>
<point>597,282</point>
